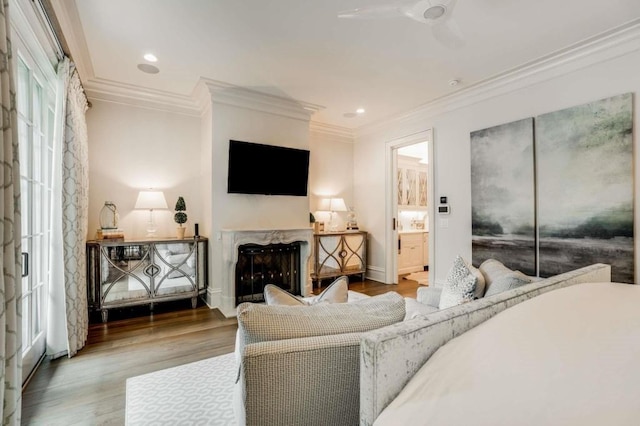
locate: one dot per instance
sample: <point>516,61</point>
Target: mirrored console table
<point>143,272</point>
<point>339,253</point>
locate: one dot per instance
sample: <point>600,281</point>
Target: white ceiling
<point>301,50</point>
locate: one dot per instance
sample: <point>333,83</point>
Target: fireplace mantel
<point>232,239</point>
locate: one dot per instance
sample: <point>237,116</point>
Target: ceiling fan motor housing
<point>434,12</point>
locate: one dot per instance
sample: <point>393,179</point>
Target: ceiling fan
<point>435,13</point>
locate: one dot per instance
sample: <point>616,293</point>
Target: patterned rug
<point>200,393</point>
<point>422,277</point>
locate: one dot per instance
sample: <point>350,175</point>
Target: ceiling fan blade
<point>372,12</point>
<point>448,34</point>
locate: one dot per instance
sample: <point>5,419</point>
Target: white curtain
<point>10,280</point>
<point>68,309</point>
<point>57,317</point>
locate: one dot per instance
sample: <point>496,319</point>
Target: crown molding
<point>610,44</point>
<point>331,132</point>
<point>228,94</point>
<point>205,93</point>
<point>128,94</point>
<point>68,17</point>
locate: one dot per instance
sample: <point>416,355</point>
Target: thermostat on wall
<point>444,209</point>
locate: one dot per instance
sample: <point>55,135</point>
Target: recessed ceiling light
<point>360,111</point>
<point>454,82</point>
<point>149,69</point>
<point>150,57</point>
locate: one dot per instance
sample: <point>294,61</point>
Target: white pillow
<point>337,292</point>
<point>509,281</point>
<point>499,278</point>
<point>480,284</point>
<point>275,296</point>
<point>460,286</point>
<point>414,309</point>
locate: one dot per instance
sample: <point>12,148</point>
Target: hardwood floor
<point>89,389</point>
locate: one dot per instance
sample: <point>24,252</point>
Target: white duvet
<point>567,357</point>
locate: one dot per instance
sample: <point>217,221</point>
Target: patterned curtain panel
<point>75,207</point>
<point>10,280</point>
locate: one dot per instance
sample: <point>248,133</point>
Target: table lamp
<point>151,200</point>
<point>336,205</point>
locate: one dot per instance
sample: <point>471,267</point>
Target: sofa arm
<point>390,356</point>
<point>303,381</point>
<point>429,296</point>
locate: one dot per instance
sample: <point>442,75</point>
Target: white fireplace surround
<point>232,239</point>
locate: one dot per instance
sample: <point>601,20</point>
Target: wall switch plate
<point>444,223</point>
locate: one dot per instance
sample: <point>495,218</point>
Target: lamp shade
<point>324,204</point>
<point>337,205</point>
<point>151,200</point>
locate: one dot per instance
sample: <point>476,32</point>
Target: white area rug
<point>421,277</point>
<point>200,393</point>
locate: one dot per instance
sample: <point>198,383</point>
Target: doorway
<point>410,179</point>
<point>36,112</point>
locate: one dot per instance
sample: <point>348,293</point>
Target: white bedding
<point>567,357</point>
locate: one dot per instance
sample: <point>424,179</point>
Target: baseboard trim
<point>375,273</point>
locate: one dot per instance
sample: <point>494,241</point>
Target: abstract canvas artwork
<point>502,195</point>
<point>584,160</point>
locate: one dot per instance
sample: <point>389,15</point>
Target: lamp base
<point>151,229</point>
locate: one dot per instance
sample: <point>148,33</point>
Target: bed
<point>566,357</point>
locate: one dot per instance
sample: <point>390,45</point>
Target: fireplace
<point>259,265</point>
<point>222,294</point>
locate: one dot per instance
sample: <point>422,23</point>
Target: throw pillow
<point>336,292</point>
<point>492,269</point>
<point>429,296</point>
<point>274,295</point>
<point>500,278</point>
<point>460,286</point>
<point>480,284</point>
<point>415,309</point>
<point>508,281</point>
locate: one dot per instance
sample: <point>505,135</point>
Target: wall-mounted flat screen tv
<point>266,169</point>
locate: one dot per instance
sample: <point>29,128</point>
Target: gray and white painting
<point>502,195</point>
<point>585,187</point>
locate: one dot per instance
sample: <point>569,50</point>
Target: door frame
<point>391,197</point>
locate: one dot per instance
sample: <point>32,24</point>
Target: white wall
<point>330,172</point>
<point>242,211</point>
<point>572,83</point>
<point>133,148</point>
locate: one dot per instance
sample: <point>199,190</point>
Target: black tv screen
<point>266,169</point>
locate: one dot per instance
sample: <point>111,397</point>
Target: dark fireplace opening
<point>257,266</point>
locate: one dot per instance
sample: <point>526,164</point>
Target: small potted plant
<point>180,217</point>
